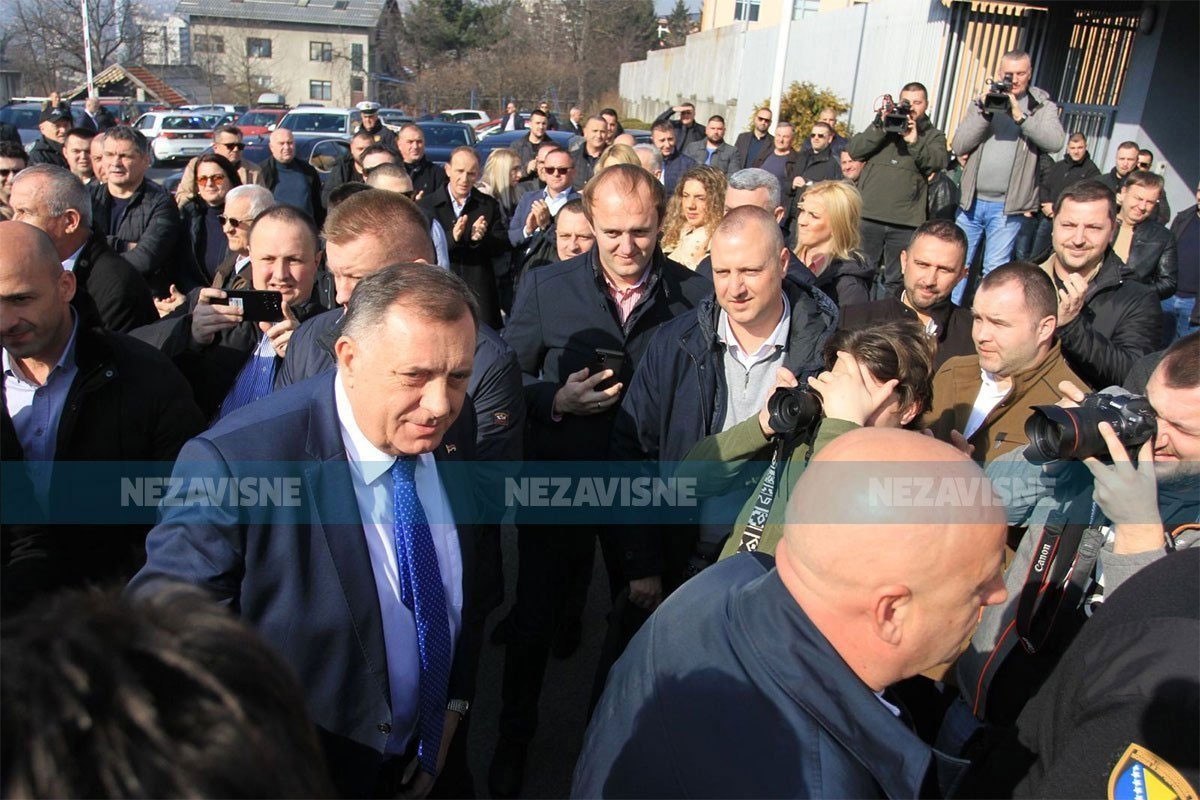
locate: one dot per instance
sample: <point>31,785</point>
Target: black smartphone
<point>256,306</point>
<point>607,359</point>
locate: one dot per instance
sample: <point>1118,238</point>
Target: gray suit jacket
<point>725,158</point>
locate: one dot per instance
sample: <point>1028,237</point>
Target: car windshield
<point>260,118</point>
<point>445,135</point>
<point>314,123</point>
<point>186,123</point>
<point>20,117</point>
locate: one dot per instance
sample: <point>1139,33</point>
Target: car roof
<point>320,110</point>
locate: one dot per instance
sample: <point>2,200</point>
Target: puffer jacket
<point>1040,132</point>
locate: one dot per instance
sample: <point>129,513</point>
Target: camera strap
<point>1057,557</point>
<point>767,490</point>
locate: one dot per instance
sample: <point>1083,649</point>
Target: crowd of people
<point>938,413</point>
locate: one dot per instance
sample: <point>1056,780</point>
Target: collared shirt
<point>458,207</point>
<point>931,327</point>
<point>990,395</point>
<point>555,203</point>
<point>36,411</point>
<point>750,376</point>
<point>371,471</point>
<point>69,262</point>
<point>626,297</point>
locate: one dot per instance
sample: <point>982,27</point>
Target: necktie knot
<point>404,468</point>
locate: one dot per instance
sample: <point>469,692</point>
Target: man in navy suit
<point>333,570</point>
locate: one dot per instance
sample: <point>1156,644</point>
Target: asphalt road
<point>565,695</point>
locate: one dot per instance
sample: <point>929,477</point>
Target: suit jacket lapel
<point>335,517</point>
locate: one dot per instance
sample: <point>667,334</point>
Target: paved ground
<point>564,700</point>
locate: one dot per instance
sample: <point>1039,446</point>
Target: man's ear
<point>890,610</point>
<point>73,220</point>
<point>345,351</point>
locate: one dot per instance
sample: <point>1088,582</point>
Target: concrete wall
<point>858,52</point>
<point>1158,104</point>
<point>289,67</point>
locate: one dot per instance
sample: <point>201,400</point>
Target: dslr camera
<point>895,115</point>
<point>792,410</point>
<point>1059,433</point>
<point>996,99</point>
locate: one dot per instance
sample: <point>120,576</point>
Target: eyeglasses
<point>818,136</point>
<point>8,173</point>
<point>557,170</point>
<point>232,145</point>
<point>215,180</point>
<point>763,119</point>
<point>1144,165</point>
<point>224,220</point>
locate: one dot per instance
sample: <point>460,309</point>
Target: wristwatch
<point>460,707</point>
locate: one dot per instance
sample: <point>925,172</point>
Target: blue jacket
<point>730,690</point>
<point>674,168</point>
<point>494,388</point>
<point>562,313</point>
<point>516,225</point>
<point>678,396</point>
<point>302,576</point>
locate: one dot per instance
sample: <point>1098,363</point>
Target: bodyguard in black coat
<point>120,296</point>
<point>149,235</point>
<point>1154,258</point>
<point>475,234</point>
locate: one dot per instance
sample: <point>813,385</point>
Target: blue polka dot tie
<point>422,593</point>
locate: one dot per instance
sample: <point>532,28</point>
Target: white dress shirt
<point>370,468</point>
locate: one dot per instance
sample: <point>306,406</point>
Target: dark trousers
<point>881,240</point>
<point>549,557</point>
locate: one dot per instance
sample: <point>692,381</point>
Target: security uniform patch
<point>1141,775</point>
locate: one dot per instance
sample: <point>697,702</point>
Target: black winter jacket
<point>847,281</point>
<point>1064,173</point>
<point>678,396</point>
<point>427,177</point>
<point>121,299</point>
<point>1154,258</point>
<point>126,404</point>
<point>46,151</point>
<point>1120,322</point>
<point>562,313</point>
<point>343,172</point>
<point>151,222</point>
<point>953,322</point>
<point>192,216</point>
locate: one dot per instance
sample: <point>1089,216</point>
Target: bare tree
<point>50,34</point>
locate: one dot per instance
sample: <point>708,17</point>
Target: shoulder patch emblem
<point>500,417</point>
<point>1141,775</point>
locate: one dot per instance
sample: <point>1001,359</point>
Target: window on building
<point>320,51</point>
<point>320,90</point>
<point>356,84</point>
<point>208,43</point>
<point>258,48</point>
<point>262,81</point>
<point>746,10</point>
<point>803,8</point>
<point>356,56</point>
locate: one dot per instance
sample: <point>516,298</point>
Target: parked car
<point>222,108</point>
<point>309,121</point>
<point>442,137</point>
<point>506,138</point>
<point>471,116</point>
<point>260,121</point>
<point>491,126</point>
<point>23,117</point>
<point>174,135</point>
<point>394,117</point>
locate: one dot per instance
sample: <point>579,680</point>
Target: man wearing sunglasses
<point>227,142</point>
<point>536,210</point>
<point>750,143</point>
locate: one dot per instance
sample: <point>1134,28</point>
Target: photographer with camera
<point>1090,526</point>
<point>1003,131</point>
<point>900,156</point>
<point>878,377</point>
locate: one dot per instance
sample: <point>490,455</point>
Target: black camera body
<point>996,99</point>
<point>1057,433</point>
<point>895,116</point>
<point>791,410</point>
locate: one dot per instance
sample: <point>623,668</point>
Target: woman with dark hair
<point>879,377</point>
<point>215,176</point>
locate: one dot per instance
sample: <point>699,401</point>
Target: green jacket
<point>741,455</point>
<point>895,180</point>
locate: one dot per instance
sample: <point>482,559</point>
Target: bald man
<point>74,393</point>
<point>770,679</point>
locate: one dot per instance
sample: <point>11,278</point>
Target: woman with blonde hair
<point>827,241</point>
<point>500,176</point>
<point>616,154</point>
<point>693,213</point>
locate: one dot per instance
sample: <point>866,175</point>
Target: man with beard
<point>931,265</point>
